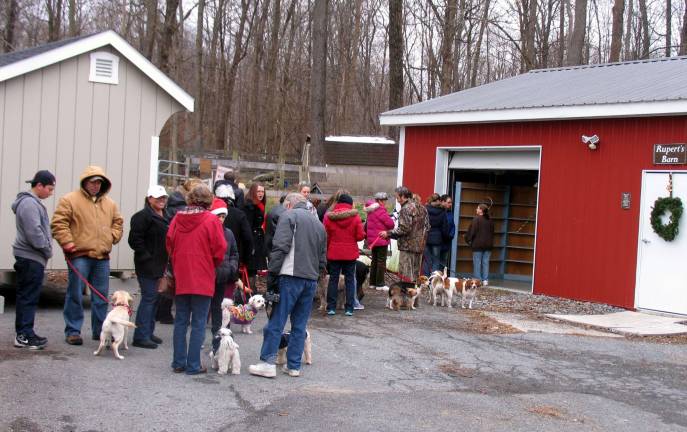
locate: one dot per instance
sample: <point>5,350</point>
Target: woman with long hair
<point>254,208</point>
<point>480,237</point>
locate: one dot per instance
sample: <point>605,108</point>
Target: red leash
<point>83,279</point>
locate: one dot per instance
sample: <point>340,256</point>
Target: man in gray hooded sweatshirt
<point>32,249</point>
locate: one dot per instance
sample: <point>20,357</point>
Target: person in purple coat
<point>378,220</point>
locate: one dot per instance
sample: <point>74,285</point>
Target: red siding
<point>586,244</point>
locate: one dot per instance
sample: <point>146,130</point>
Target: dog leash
<point>92,288</point>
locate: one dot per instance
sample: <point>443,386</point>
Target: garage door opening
<point>512,197</point>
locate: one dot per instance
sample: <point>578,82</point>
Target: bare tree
<point>318,80</point>
<point>669,25</point>
<point>10,26</point>
<point>150,28</point>
<point>74,16</point>
<point>683,34</point>
<point>617,30</point>
<point>200,102</point>
<point>628,31</point>
<point>54,9</point>
<point>576,50</point>
<point>646,41</point>
<point>446,50</point>
<point>395,53</point>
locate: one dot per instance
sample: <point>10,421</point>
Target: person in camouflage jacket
<point>411,233</point>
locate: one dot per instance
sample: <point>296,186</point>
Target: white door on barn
<point>661,265</point>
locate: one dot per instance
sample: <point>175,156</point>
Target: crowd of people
<point>207,239</point>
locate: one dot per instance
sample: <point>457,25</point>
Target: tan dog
<point>321,293</point>
<point>284,346</point>
<point>116,323</point>
<point>469,291</point>
<point>401,297</point>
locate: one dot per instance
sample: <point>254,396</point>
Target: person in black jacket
<point>147,239</point>
<point>237,222</point>
<point>230,179</point>
<point>224,273</point>
<point>438,232</point>
<point>272,221</point>
<point>255,213</point>
<point>480,237</point>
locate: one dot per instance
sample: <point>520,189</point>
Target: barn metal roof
<point>21,62</point>
<point>636,88</point>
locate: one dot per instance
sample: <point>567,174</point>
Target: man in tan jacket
<point>86,224</point>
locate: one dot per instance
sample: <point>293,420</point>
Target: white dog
<point>227,304</point>
<point>244,315</point>
<point>470,287</point>
<point>227,358</point>
<point>284,345</point>
<point>116,323</point>
<point>444,286</point>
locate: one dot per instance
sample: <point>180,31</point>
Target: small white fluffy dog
<point>116,323</point>
<point>227,358</point>
<point>284,345</point>
<point>244,315</point>
<point>227,304</point>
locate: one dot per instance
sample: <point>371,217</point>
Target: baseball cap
<point>381,196</point>
<point>218,207</point>
<point>43,177</point>
<point>156,191</point>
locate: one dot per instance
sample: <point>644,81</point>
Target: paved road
<point>377,371</point>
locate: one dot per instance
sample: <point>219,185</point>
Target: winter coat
<point>175,202</point>
<point>33,229</point>
<point>480,234</point>
<point>377,220</point>
<point>93,224</point>
<point>299,247</point>
<point>196,245</point>
<point>344,230</point>
<point>147,237</point>
<point>256,218</point>
<point>451,232</point>
<point>272,221</point>
<point>227,271</point>
<point>438,225</point>
<point>237,222</point>
<point>412,228</point>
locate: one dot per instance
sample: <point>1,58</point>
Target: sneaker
<point>383,288</point>
<point>331,312</point>
<point>263,369</point>
<point>156,339</point>
<point>378,288</point>
<point>358,306</point>
<point>30,342</point>
<point>348,313</point>
<point>290,372</point>
<point>41,340</point>
<point>485,282</point>
<point>144,344</point>
<point>74,340</point>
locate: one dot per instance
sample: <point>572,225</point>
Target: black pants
<point>378,266</point>
<point>30,275</point>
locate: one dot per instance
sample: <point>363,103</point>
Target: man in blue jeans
<point>299,234</point>
<point>32,249</point>
<point>86,224</point>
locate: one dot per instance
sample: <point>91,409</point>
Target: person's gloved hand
<point>69,248</point>
<point>272,282</point>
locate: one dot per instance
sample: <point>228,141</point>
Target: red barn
<point>573,160</point>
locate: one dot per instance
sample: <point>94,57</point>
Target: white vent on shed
<point>104,68</point>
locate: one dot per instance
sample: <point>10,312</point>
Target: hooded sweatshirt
<point>33,229</point>
<point>344,230</point>
<point>196,245</point>
<point>93,224</point>
<point>377,220</point>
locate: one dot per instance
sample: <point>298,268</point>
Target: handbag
<point>166,285</point>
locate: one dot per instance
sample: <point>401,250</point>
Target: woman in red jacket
<point>344,231</point>
<point>196,245</point>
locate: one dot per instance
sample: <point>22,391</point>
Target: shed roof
<point>626,89</point>
<point>21,62</point>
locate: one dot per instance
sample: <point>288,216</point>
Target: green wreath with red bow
<point>668,231</point>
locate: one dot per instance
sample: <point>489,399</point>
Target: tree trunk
<point>150,28</point>
<point>617,30</point>
<point>446,50</point>
<point>528,23</point>
<point>200,100</point>
<point>10,26</point>
<point>168,30</point>
<point>669,27</point>
<point>575,53</point>
<point>54,9</point>
<point>645,29</point>
<point>269,135</point>
<point>683,34</point>
<point>318,80</point>
<point>628,31</point>
<point>561,32</point>
<point>73,12</point>
<point>478,45</point>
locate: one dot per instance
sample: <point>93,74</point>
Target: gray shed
<point>90,100</point>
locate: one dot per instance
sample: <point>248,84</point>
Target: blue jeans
<point>348,270</point>
<point>97,273</point>
<point>296,296</point>
<point>480,264</point>
<point>194,309</point>
<point>145,315</point>
<point>433,254</point>
<point>30,275</point>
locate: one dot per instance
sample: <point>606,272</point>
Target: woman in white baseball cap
<point>147,238</point>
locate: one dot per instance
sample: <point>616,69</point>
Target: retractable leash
<point>92,288</point>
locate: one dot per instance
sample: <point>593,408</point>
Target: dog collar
<point>128,308</point>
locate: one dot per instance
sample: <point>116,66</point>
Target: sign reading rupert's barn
<point>670,154</point>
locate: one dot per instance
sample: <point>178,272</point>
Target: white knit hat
<point>225,191</point>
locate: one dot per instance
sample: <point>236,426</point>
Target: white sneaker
<point>383,288</point>
<point>378,288</point>
<point>485,282</point>
<point>263,369</point>
<point>290,372</point>
<point>373,287</point>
